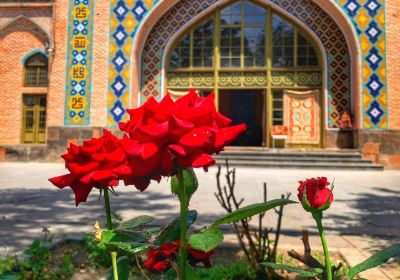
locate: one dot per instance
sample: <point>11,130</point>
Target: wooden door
<point>34,119</point>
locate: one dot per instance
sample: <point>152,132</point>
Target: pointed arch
<point>29,24</point>
<point>329,11</point>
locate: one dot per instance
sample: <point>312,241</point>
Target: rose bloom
<point>159,260</point>
<point>317,191</point>
<point>186,131</point>
<point>91,166</point>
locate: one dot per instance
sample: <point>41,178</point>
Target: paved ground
<point>364,217</point>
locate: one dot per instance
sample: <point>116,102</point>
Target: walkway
<point>365,215</point>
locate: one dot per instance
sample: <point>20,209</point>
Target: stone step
<point>292,154</point>
<point>293,159</point>
<point>308,165</point>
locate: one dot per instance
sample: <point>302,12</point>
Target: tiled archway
<point>316,19</point>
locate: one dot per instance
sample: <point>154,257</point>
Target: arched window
<point>252,57</point>
<point>244,35</point>
<point>36,71</point>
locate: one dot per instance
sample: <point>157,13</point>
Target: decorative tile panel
<point>317,20</point>
<point>126,17</point>
<point>79,63</point>
<point>368,18</point>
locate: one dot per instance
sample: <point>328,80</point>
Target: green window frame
<point>244,53</point>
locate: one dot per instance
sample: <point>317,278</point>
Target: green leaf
<point>138,236</point>
<point>190,182</point>
<point>375,260</point>
<point>301,272</point>
<point>135,222</point>
<point>171,232</point>
<point>251,210</point>
<point>206,240</point>
<point>126,247</point>
<point>108,236</point>
<point>152,230</point>
<point>8,277</point>
<point>123,269</point>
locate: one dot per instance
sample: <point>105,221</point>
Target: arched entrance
<point>265,70</point>
<point>324,23</point>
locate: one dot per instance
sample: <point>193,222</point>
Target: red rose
<point>91,166</point>
<point>317,192</point>
<point>187,131</point>
<point>159,260</point>
<point>196,256</point>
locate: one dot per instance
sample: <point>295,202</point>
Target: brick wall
<point>55,100</point>
<point>101,29</point>
<point>393,61</point>
<point>16,40</point>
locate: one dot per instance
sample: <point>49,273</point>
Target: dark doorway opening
<point>245,106</point>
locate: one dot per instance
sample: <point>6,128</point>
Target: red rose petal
<point>62,181</point>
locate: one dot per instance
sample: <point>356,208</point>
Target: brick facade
<point>26,27</point>
<point>18,38</point>
<point>393,62</point>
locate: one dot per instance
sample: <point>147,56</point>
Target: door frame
<point>36,118</point>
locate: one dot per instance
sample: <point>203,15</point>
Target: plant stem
<point>328,265</point>
<point>114,265</point>
<point>183,204</point>
<point>110,227</point>
<point>108,209</point>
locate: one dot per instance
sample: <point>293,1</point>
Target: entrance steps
<point>288,158</point>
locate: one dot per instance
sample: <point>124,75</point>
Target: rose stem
<point>108,209</point>
<point>110,227</point>
<point>328,265</point>
<point>183,204</point>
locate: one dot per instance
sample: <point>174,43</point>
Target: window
<point>283,42</point>
<point>244,45</point>
<point>36,71</point>
<point>306,55</point>
<point>195,49</point>
<point>277,107</point>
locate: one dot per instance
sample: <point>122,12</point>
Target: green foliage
<point>207,239</point>
<point>7,265</point>
<point>36,261</point>
<point>171,232</point>
<point>135,223</point>
<point>375,260</point>
<point>251,210</point>
<point>66,270</point>
<point>97,256</point>
<point>301,272</point>
<point>233,271</point>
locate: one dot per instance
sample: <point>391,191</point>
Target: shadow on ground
<point>23,213</point>
<point>374,215</point>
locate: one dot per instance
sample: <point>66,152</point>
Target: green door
<point>34,119</point>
